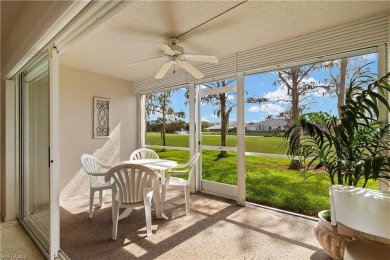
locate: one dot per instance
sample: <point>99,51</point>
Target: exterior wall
<point>77,89</point>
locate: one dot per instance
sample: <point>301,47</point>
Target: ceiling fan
<point>174,54</point>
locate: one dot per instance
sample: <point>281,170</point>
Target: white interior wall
<point>8,151</point>
<point>77,89</point>
<point>1,132</point>
<point>2,82</point>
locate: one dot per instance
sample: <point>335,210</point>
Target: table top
<point>155,164</point>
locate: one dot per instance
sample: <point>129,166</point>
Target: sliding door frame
<point>53,160</point>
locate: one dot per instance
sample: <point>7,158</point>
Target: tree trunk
<point>341,87</point>
<point>163,121</point>
<point>295,111</point>
<point>294,165</point>
<point>224,124</point>
<point>294,95</point>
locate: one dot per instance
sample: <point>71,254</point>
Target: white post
<point>241,184</point>
<point>383,65</point>
<point>142,120</point>
<point>198,138</point>
<point>54,154</point>
<point>192,130</point>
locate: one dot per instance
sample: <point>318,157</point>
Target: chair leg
<point>187,198</point>
<point>102,193</point>
<point>115,216</point>
<point>163,194</point>
<point>148,215</point>
<point>91,198</point>
<point>162,176</point>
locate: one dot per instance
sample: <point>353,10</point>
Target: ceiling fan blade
<point>191,69</point>
<point>203,58</point>
<point>165,48</point>
<point>164,69</point>
<point>137,62</point>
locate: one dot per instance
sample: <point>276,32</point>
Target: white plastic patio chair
<point>366,213</point>
<point>175,182</point>
<point>95,168</point>
<point>143,153</point>
<point>133,186</point>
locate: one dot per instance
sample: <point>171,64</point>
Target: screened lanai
<point>241,51</point>
<point>239,59</point>
<point>108,52</point>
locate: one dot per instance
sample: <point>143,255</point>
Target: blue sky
<point>261,85</point>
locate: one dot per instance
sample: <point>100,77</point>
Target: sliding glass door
<point>217,116</point>
<point>38,213</point>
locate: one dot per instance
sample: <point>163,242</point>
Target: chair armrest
<point>98,174</point>
<point>106,166</point>
<point>179,166</point>
<point>107,178</point>
<point>177,172</point>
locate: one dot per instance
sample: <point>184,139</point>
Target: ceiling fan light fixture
<point>175,55</point>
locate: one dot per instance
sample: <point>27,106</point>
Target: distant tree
<point>205,124</point>
<point>176,125</point>
<point>154,125</point>
<point>340,72</point>
<point>338,81</point>
<point>182,124</point>
<point>160,103</point>
<point>298,91</point>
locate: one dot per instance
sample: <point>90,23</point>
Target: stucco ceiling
<point>129,36</point>
<point>10,12</point>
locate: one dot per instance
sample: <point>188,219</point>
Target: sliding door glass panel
<point>35,150</point>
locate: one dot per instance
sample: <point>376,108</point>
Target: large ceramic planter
<point>325,236</point>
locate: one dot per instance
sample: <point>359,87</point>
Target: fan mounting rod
<point>173,41</point>
<point>178,50</point>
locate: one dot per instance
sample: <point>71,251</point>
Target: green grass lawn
<point>268,181</point>
<point>253,144</point>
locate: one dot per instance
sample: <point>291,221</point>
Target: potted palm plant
<point>350,149</point>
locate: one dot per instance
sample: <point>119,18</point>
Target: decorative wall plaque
<point>101,122</point>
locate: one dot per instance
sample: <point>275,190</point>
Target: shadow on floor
<point>215,229</point>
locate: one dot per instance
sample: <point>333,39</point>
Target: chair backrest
<point>91,165</point>
<point>143,153</point>
<point>364,210</point>
<point>130,180</point>
<point>191,163</point>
